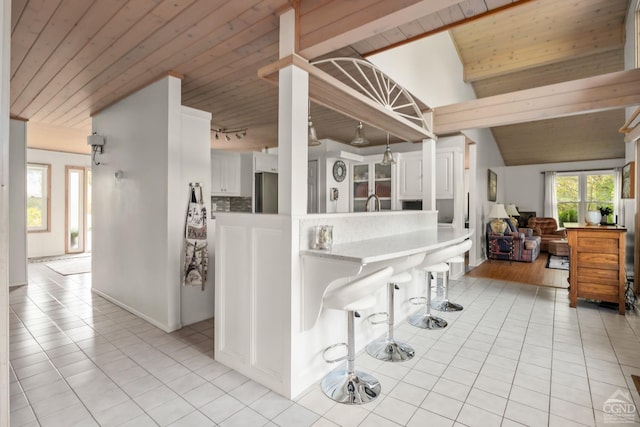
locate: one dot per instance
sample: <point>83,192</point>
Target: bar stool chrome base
<point>353,388</point>
<point>389,350</point>
<point>426,321</point>
<point>446,305</point>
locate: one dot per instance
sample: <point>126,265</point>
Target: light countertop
<point>395,246</point>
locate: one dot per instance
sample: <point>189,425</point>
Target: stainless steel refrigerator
<point>266,200</point>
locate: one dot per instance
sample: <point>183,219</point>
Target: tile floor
<point>516,355</point>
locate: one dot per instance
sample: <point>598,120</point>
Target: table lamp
<point>498,213</point>
<point>513,212</point>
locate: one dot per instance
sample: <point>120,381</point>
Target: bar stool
<point>348,385</point>
<point>387,348</point>
<point>445,304</point>
<point>426,320</point>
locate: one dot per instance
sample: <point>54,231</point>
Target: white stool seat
<point>401,278</point>
<point>455,260</point>
<point>436,268</point>
<point>362,304</point>
<point>341,297</point>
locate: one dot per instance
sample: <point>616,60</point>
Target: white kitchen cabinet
<point>265,162</point>
<point>444,174</point>
<point>410,176</point>
<point>372,177</point>
<point>225,173</point>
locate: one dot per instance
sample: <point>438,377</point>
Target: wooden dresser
<point>597,257</point>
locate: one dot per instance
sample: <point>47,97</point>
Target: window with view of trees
<point>578,193</point>
<point>38,178</point>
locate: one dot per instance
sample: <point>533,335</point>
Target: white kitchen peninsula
<point>270,325</point>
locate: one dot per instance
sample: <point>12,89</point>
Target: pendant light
<point>312,137</point>
<point>359,140</point>
<point>387,157</point>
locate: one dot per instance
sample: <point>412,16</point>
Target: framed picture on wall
<point>492,186</point>
<point>628,181</point>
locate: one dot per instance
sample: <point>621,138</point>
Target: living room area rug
<point>558,262</point>
<point>69,266</point>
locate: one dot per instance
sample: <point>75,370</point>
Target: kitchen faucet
<point>376,204</point>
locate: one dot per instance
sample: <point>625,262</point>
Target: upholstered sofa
<point>513,245</point>
<point>547,229</point>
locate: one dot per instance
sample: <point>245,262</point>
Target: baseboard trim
<point>167,328</point>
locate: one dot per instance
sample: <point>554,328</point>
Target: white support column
<point>429,175</point>
<point>293,96</point>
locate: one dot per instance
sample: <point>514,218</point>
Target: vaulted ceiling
<point>71,58</point>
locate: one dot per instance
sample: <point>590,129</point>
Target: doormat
<point>70,266</point>
<point>558,262</point>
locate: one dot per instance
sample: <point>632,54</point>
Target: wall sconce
<point>97,145</point>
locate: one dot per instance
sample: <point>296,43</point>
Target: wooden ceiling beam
<point>336,24</point>
<point>591,94</point>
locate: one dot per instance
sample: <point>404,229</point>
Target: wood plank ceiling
<point>71,58</point>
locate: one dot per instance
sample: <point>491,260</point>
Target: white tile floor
<point>516,355</point>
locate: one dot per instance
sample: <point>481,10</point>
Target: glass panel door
<point>360,187</point>
<point>75,212</point>
<point>383,185</point>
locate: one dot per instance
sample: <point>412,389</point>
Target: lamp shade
<point>512,211</point>
<point>498,211</point>
<point>312,138</point>
<point>359,138</point>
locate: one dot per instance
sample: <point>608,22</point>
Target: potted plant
<point>605,211</point>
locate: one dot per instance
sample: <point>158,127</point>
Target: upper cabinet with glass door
<point>369,178</point>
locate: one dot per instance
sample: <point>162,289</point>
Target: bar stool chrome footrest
<point>383,318</point>
<point>353,388</point>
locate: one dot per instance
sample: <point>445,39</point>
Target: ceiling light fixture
<point>312,137</point>
<point>359,140</point>
<point>387,157</point>
<point>239,133</point>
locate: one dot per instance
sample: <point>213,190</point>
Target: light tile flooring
<point>516,355</point>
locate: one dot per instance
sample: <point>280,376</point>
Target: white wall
<point>5,43</point>
<point>139,221</point>
<point>18,203</point>
<point>49,243</point>
<point>197,304</point>
<point>524,185</point>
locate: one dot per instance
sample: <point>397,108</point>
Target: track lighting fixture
<point>239,133</point>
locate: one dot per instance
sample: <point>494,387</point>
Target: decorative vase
<point>594,217</point>
<point>604,220</point>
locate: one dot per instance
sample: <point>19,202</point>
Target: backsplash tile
<point>230,204</point>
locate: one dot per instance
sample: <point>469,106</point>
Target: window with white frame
<point>580,192</point>
<point>38,179</point>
